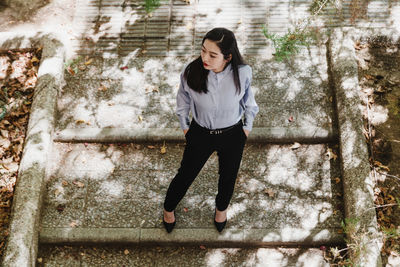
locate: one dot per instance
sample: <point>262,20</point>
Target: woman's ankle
<point>169,216</point>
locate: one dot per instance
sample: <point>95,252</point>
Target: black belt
<point>216,131</point>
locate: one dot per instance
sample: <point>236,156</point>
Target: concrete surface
<point>98,195</point>
<point>179,256</point>
<point>357,182</point>
<point>27,202</point>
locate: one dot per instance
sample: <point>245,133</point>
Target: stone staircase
<point>107,179</point>
<point>117,144</point>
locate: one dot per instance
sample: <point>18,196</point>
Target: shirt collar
<point>224,72</point>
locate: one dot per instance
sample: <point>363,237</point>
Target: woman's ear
<point>229,58</point>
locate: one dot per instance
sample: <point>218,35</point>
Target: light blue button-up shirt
<point>221,106</point>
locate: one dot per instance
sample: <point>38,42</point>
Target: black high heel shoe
<point>169,226</point>
<point>219,225</point>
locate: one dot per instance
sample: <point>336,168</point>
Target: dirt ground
<point>379,77</point>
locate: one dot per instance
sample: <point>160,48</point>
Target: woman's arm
<point>249,104</point>
<point>183,105</point>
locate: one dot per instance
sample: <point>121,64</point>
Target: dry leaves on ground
<point>18,77</point>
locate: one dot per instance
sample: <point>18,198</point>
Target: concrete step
<point>116,256</point>
<point>176,28</point>
<point>293,104</point>
<point>106,193</point>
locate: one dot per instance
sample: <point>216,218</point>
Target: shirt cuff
<point>248,124</point>
<point>184,122</point>
<point>248,128</point>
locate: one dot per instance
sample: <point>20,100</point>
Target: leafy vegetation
<point>288,44</point>
<point>151,5</point>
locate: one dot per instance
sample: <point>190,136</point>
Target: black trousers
<point>200,144</point>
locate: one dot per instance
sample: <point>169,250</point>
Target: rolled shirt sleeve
<point>248,103</point>
<point>183,104</point>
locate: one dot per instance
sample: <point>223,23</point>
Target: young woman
<point>215,88</point>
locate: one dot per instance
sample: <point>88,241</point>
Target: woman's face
<point>212,57</point>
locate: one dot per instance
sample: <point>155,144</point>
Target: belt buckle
<point>215,132</point>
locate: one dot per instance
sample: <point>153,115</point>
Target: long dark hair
<point>196,74</point>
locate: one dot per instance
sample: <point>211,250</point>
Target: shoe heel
<point>219,225</point>
<point>169,226</point>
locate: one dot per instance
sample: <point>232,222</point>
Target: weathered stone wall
<point>22,8</point>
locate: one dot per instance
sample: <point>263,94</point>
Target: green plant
<point>349,226</point>
<point>288,44</point>
<point>391,232</point>
<point>151,5</point>
<point>3,103</point>
<point>72,64</point>
<point>318,5</point>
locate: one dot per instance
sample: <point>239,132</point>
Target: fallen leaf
<point>379,90</point>
<point>73,224</point>
<point>380,165</point>
<point>102,88</point>
<point>202,247</point>
<point>337,180</point>
<point>111,103</point>
<point>64,183</point>
<point>79,121</point>
<point>358,46</point>
<point>331,155</point>
<point>369,77</point>
<point>4,142</point>
<point>70,70</point>
<point>151,147</point>
<point>269,192</point>
<point>295,146</point>
<point>40,260</point>
<point>330,99</point>
<point>34,60</point>
<point>126,252</point>
<point>124,68</point>
<point>89,61</point>
<point>140,118</point>
<point>163,149</point>
<point>185,209</point>
<point>11,167</point>
<point>60,208</point>
<point>4,133</point>
<point>57,192</point>
<point>78,184</point>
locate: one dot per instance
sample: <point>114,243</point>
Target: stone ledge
<point>179,236</point>
<point>275,134</point>
<point>357,183</point>
<point>22,244</point>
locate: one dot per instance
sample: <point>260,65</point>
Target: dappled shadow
<point>96,255</point>
<point>106,184</point>
<point>143,53</point>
